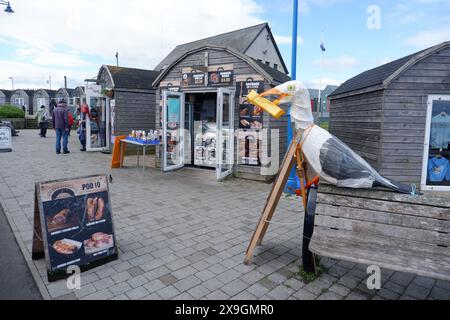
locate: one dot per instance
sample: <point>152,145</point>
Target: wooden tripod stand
<point>294,155</point>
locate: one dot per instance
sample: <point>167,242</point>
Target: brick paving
<point>183,235</point>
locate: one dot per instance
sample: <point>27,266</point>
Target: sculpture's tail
<point>394,185</point>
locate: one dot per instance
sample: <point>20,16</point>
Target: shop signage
<point>5,139</point>
<point>192,78</point>
<point>73,225</point>
<point>220,75</point>
<point>93,90</point>
<point>173,86</point>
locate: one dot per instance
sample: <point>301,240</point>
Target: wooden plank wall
<point>357,121</point>
<point>404,116</point>
<point>218,57</point>
<point>134,111</point>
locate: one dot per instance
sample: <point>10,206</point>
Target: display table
<point>138,144</point>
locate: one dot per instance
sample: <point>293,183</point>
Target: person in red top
<point>71,121</point>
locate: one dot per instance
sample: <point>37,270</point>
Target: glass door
<point>225,133</point>
<point>173,130</point>
<point>97,124</point>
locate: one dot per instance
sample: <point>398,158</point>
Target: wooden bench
<point>387,229</point>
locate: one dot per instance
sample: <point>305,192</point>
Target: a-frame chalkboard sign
<point>73,225</point>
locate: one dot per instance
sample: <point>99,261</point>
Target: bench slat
<point>428,199</point>
<point>418,258</point>
<point>389,218</point>
<point>388,231</point>
<point>384,205</point>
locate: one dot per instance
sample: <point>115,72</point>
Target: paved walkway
<point>183,235</point>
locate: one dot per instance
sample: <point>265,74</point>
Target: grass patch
<point>308,277</point>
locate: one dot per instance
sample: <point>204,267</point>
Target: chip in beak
<point>265,104</point>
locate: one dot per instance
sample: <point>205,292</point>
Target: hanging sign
<point>5,139</point>
<point>73,225</point>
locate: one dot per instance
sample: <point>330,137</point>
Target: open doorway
<point>201,123</point>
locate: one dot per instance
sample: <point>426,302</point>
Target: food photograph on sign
<point>78,223</point>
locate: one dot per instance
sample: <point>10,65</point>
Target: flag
<point>322,47</point>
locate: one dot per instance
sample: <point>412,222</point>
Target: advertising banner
<point>73,225</point>
<point>192,78</point>
<point>220,75</point>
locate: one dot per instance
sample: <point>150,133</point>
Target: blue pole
<point>292,181</point>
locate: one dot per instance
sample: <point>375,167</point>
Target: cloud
<point>143,32</point>
<point>287,40</point>
<point>317,83</point>
<point>341,63</point>
<point>30,76</point>
<point>430,37</point>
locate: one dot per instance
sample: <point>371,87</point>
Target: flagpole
<point>292,183</point>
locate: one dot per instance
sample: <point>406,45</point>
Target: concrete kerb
<point>34,272</point>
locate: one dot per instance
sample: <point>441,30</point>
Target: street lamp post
<point>292,181</point>
<point>8,9</point>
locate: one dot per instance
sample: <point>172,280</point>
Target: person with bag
<point>42,118</point>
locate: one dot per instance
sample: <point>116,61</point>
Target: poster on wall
<point>250,119</point>
<point>192,78</point>
<point>220,75</point>
<point>112,106</point>
<point>248,144</point>
<point>73,225</point>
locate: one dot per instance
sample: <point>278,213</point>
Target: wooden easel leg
<point>272,201</point>
<point>309,261</point>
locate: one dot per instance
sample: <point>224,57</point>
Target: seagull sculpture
<point>330,158</point>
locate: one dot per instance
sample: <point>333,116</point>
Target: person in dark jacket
<point>61,126</point>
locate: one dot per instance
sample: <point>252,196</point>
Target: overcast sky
<point>74,38</point>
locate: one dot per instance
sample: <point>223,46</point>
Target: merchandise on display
<point>151,137</point>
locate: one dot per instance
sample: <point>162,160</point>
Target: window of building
<point>19,101</point>
<point>41,102</point>
<point>275,66</point>
<point>268,63</point>
<point>436,160</point>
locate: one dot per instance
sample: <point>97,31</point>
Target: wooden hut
<point>201,94</point>
<point>397,116</point>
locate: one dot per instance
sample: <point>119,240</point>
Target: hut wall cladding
<point>357,121</point>
<point>404,115</point>
<point>240,67</point>
<point>134,111</point>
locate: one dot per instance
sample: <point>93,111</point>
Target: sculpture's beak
<point>270,107</point>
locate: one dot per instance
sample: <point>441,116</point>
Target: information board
<point>5,139</point>
<point>73,224</point>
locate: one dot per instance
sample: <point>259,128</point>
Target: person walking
<point>61,126</point>
<point>42,118</point>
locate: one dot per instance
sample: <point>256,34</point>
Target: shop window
<point>436,168</point>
